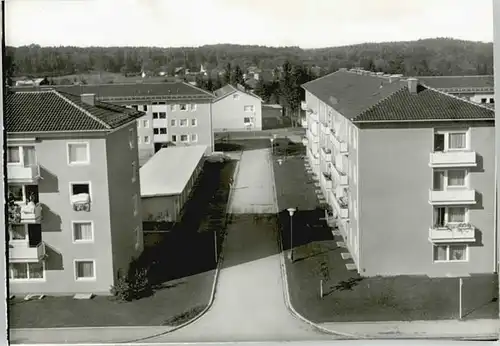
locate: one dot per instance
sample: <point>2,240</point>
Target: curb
<point>185,324</point>
<point>286,290</point>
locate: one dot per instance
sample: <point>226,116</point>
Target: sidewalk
<point>473,329</point>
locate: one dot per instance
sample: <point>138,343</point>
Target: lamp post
<point>272,143</point>
<point>291,211</point>
<point>460,293</point>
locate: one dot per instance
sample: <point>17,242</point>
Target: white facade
<point>237,111</point>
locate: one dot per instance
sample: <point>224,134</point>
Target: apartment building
<point>74,194</point>
<point>408,170</point>
<point>176,113</point>
<point>236,109</point>
<point>479,89</point>
<point>496,60</point>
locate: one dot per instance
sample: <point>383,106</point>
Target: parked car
<point>218,156</point>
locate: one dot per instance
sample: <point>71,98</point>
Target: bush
<point>135,285</point>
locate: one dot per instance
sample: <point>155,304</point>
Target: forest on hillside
<point>441,56</point>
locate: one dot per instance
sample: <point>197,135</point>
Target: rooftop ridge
<point>61,95</point>
<point>457,98</point>
<point>402,88</point>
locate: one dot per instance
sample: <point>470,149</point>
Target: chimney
<point>412,85</point>
<point>88,99</point>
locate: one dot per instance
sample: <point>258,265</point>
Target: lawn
<point>347,296</point>
<point>182,267</point>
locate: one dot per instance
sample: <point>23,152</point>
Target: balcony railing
<point>303,105</point>
<point>23,252</point>
<point>25,213</point>
<point>339,144</point>
<point>339,176</point>
<point>463,232</point>
<point>445,159</point>
<point>327,181</point>
<point>452,196</point>
<point>326,154</point>
<point>81,202</point>
<point>303,123</point>
<point>305,141</point>
<point>23,174</point>
<point>340,207</point>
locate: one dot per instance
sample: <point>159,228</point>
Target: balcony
<point>452,197</point>
<point>23,174</point>
<point>340,145</point>
<point>460,233</point>
<point>303,123</point>
<point>324,128</point>
<point>23,252</point>
<point>303,105</point>
<point>339,176</point>
<point>341,207</point>
<point>314,116</point>
<point>445,159</point>
<point>326,180</point>
<point>305,141</point>
<point>25,213</point>
<point>326,154</point>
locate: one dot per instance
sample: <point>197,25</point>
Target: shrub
<point>134,285</point>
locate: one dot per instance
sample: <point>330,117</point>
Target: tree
<point>227,74</point>
<point>237,76</point>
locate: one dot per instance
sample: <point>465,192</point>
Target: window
<point>194,137</point>
<point>134,171</point>
<point>456,177</point>
<point>136,107</point>
<point>154,103</point>
<point>450,253</point>
<point>162,115</point>
<point>248,108</point>
<point>445,141</point>
<point>492,100</point>
<point>145,124</point>
<point>26,271</point>
<point>18,232</point>
<point>183,123</point>
<point>236,96</point>
<point>78,153</point>
<point>84,270</point>
<point>163,130</point>
<point>184,138</point>
<point>135,204</point>
<point>193,107</point>
<point>449,215</point>
<point>13,154</point>
<point>131,138</point>
<point>83,231</point>
<point>145,108</point>
<point>161,103</point>
<point>77,188</point>
<point>444,179</point>
<point>156,131</point>
<point>484,100</point>
<point>155,115</point>
<point>147,140</point>
<point>174,138</point>
<point>172,108</point>
<point>17,192</point>
<point>194,122</point>
<point>246,120</point>
<point>183,107</point>
<point>173,122</point>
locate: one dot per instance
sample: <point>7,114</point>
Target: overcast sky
<point>304,23</point>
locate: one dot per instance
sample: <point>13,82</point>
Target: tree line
<point>441,56</point>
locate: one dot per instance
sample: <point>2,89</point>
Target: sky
<point>304,23</point>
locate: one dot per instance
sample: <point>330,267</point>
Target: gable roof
<point>54,111</point>
<point>133,91</point>
<point>231,89</point>
<point>362,96</point>
<point>457,84</point>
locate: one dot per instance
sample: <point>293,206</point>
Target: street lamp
<point>291,211</point>
<point>272,143</point>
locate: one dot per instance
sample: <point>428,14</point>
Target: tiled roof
<point>367,97</point>
<point>459,83</point>
<point>51,110</point>
<point>105,92</point>
<point>426,104</point>
<point>229,89</point>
